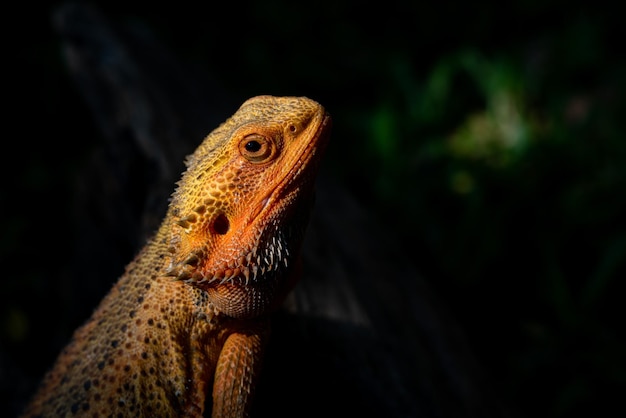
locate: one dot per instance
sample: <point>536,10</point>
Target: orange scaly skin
<point>185,326</point>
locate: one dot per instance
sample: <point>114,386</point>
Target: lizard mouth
<point>297,175</point>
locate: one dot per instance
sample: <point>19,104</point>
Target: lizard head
<point>240,210</point>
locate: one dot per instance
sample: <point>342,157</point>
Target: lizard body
<point>185,326</point>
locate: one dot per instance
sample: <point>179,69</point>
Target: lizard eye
<point>257,148</point>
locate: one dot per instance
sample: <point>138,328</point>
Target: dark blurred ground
<point>490,138</point>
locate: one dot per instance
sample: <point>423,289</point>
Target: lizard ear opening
<point>220,224</point>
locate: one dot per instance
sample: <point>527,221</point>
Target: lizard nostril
<point>221,225</point>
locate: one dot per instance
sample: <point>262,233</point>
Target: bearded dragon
<point>182,332</point>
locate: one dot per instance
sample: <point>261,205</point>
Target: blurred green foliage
<point>507,178</point>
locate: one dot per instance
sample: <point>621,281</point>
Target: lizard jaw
<point>301,168</point>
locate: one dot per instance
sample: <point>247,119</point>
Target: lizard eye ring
<point>257,148</point>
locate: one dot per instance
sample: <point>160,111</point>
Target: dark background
<point>487,138</point>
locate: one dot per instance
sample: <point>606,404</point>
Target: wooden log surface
<point>361,335</point>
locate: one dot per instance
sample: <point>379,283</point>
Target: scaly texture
<point>189,317</point>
